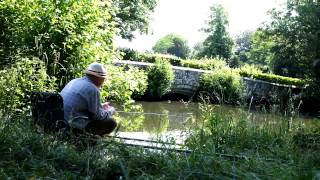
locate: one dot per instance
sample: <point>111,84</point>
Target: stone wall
<point>262,88</point>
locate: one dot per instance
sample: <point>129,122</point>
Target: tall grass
<point>225,146</point>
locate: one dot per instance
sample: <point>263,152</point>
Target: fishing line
<point>156,114</point>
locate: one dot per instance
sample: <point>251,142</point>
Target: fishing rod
<point>145,140</point>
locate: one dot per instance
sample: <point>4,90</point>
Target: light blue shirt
<point>82,98</point>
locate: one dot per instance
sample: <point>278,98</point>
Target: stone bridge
<point>186,82</point>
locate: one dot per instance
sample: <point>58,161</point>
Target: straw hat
<point>96,69</point>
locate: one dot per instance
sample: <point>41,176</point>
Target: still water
<point>145,120</point>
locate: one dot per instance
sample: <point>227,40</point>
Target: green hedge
<point>205,64</point>
<point>197,64</point>
<point>274,78</point>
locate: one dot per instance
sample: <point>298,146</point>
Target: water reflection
<point>172,118</point>
<point>157,117</point>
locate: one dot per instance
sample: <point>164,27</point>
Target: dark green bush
<point>129,54</point>
<point>19,80</point>
<point>221,86</point>
<point>160,77</point>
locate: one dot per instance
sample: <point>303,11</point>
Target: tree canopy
<point>172,44</point>
<point>260,52</point>
<point>133,15</point>
<point>292,39</point>
<point>218,41</point>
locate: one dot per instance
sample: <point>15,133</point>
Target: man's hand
<point>107,107</point>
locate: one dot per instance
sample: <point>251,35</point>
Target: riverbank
<point>224,147</point>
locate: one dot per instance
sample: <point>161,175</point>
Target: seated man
<point>82,107</point>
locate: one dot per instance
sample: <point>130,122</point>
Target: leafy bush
<point>146,57</point>
<point>67,35</point>
<point>129,54</point>
<point>205,64</point>
<point>273,78</point>
<point>160,77</point>
<point>222,85</point>
<point>197,64</point>
<point>250,69</point>
<point>19,80</point>
<point>123,84</point>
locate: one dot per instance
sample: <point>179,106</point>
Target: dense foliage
<point>67,35</point>
<point>221,86</point>
<point>243,45</point>
<point>121,84</point>
<point>262,45</point>
<point>218,43</point>
<point>290,43</point>
<point>160,77</point>
<point>172,44</point>
<point>19,80</point>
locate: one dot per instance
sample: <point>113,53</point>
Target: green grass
<point>224,147</point>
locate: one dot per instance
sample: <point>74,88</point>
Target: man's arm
<point>95,108</point>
